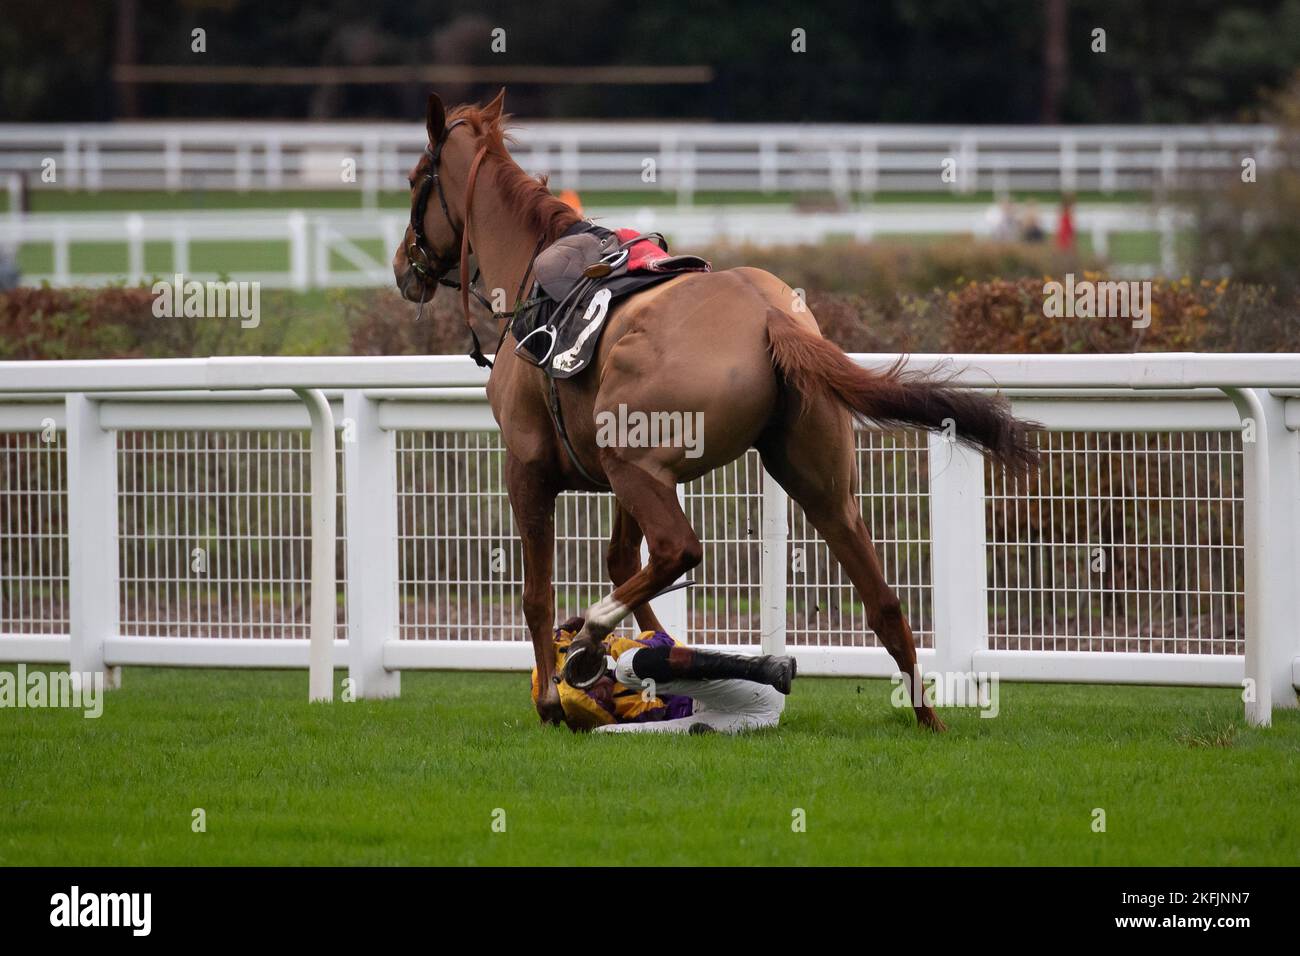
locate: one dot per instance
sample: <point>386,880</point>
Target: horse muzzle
<point>416,283</point>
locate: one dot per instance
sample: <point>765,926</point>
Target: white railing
<point>329,249</point>
<point>686,158</point>
<point>170,513</point>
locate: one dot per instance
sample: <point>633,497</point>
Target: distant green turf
<point>417,780</point>
<point>273,255</point>
<point>228,257</point>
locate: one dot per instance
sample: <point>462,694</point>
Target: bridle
<point>432,183</point>
<point>441,265</point>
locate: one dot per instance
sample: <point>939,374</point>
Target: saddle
<point>576,280</point>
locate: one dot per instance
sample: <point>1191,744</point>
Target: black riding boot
<point>687,663</point>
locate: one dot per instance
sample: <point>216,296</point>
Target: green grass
<point>416,780</point>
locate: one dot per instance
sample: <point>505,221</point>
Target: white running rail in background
<point>325,249</point>
<point>687,157</point>
<point>175,513</point>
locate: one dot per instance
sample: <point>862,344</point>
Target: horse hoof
<point>930,721</point>
<point>550,711</point>
<point>584,663</point>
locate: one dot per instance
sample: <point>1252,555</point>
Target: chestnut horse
<point>737,346</point>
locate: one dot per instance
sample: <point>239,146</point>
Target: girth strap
<point>557,416</point>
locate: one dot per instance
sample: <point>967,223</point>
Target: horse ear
<point>494,109</point>
<point>435,117</point>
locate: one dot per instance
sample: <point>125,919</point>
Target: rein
<point>433,182</point>
<point>477,351</point>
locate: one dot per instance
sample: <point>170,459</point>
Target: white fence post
<point>1168,166</point>
<point>71,161</point>
<point>243,167</point>
<point>1284,555</point>
<point>274,162</point>
<point>371,172</point>
<point>958,556</point>
<point>14,186</point>
<point>135,248</point>
<point>324,535</point>
<point>370,464</point>
<point>1286,476</point>
<point>772,577</point>
<point>172,166</point>
<point>869,167</point>
<point>685,174</point>
<point>673,608</point>
<point>1168,245</point>
<point>570,164</point>
<point>93,606</point>
<point>841,181</point>
<point>1271,471</point>
<point>94,168</point>
<point>322,236</point>
<point>1108,175</point>
<point>1069,173</point>
<point>62,261</point>
<point>768,175</point>
<point>1100,239</point>
<point>968,164</point>
<point>299,251</point>
<point>180,247</point>
<point>667,177</point>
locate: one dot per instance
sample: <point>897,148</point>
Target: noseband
<point>440,265</point>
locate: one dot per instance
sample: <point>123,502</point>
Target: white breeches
<point>728,706</point>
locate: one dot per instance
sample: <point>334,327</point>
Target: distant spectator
<point>1065,224</point>
<point>1002,220</point>
<point>1031,230</point>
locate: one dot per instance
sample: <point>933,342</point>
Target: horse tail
<point>813,367</point>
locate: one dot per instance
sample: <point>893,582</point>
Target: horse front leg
<point>624,560</point>
<point>533,502</point>
<point>651,500</point>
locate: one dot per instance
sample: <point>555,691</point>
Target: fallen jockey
<point>659,685</point>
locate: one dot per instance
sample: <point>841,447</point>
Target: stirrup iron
<point>528,356</point>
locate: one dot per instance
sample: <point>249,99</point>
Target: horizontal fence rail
<point>321,250</point>
<point>198,512</point>
<point>676,158</point>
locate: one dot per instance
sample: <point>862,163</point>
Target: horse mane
<point>544,213</point>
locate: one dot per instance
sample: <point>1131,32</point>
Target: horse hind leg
<point>815,463</point>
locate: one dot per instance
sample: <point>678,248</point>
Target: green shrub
<point>964,313</point>
<point>884,268</point>
<point>118,322</point>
